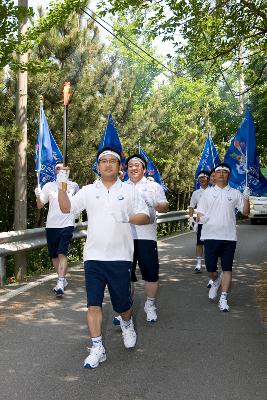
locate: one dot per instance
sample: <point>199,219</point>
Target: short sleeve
<point>193,200</point>
<point>239,201</point>
<point>78,201</point>
<point>160,195</point>
<point>44,196</point>
<point>202,204</point>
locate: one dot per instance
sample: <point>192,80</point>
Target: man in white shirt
<point>203,179</point>
<point>216,211</point>
<point>59,227</point>
<point>145,236</point>
<point>111,207</point>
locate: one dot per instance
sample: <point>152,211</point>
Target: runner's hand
<point>192,222</point>
<point>37,192</point>
<point>62,177</point>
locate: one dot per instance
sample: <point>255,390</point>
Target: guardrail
<point>17,241</point>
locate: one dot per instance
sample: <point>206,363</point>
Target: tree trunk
<point>178,201</point>
<point>20,217</point>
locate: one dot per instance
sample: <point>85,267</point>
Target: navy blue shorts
<point>199,229</point>
<point>113,274</point>
<point>58,240</point>
<point>225,249</point>
<point>146,255</point>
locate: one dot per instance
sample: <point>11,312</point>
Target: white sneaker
<point>198,268</point>
<point>214,287</point>
<point>96,356</point>
<point>65,285</point>
<point>150,310</point>
<point>210,282</point>
<point>198,265</point>
<point>223,306</point>
<point>59,289</point>
<point>128,335</point>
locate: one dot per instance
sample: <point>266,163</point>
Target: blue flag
<point>110,138</point>
<point>243,160</point>
<point>208,160</point>
<point>49,153</point>
<point>152,170</point>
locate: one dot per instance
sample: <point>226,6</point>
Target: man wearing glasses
<point>59,227</point>
<point>111,207</point>
<point>216,211</point>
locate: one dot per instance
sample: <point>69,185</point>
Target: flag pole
<point>40,140</point>
<point>209,136</point>
<point>66,99</point>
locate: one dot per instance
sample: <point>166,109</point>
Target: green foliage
<point>169,118</point>
<point>205,33</point>
<point>12,43</point>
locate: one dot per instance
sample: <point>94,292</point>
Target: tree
<point>11,16</point>
<point>205,33</point>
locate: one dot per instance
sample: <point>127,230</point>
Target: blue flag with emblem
<point>111,138</point>
<point>208,160</point>
<point>242,157</point>
<point>47,153</point>
<point>152,170</point>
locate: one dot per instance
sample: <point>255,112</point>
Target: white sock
<point>97,341</point>
<point>224,294</point>
<point>150,301</point>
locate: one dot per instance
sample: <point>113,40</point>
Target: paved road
<point>194,352</point>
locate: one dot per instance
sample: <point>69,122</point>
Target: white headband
<point>137,159</point>
<point>200,175</point>
<point>109,152</point>
<point>222,168</point>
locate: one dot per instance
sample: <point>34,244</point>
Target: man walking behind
<point>59,227</point>
<point>203,179</point>
<point>145,236</point>
<point>216,210</point>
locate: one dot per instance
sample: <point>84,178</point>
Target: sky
<point>163,48</point>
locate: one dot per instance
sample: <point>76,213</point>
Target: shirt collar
<point>141,182</point>
<point>226,188</point>
<point>116,185</point>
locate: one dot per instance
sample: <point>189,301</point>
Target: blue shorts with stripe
<point>58,240</point>
<point>225,249</point>
<point>116,275</point>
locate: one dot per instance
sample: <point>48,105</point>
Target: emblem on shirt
<point>120,197</point>
<point>97,196</point>
<point>229,198</point>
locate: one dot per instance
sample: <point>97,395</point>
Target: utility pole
<point>20,218</point>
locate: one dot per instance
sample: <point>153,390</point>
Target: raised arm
<point>63,198</point>
<point>64,201</point>
<point>246,207</point>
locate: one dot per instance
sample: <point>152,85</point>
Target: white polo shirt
<point>196,195</point>
<point>218,205</point>
<point>55,218</point>
<point>108,240</point>
<point>154,192</point>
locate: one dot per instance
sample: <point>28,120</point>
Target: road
<point>193,352</point>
